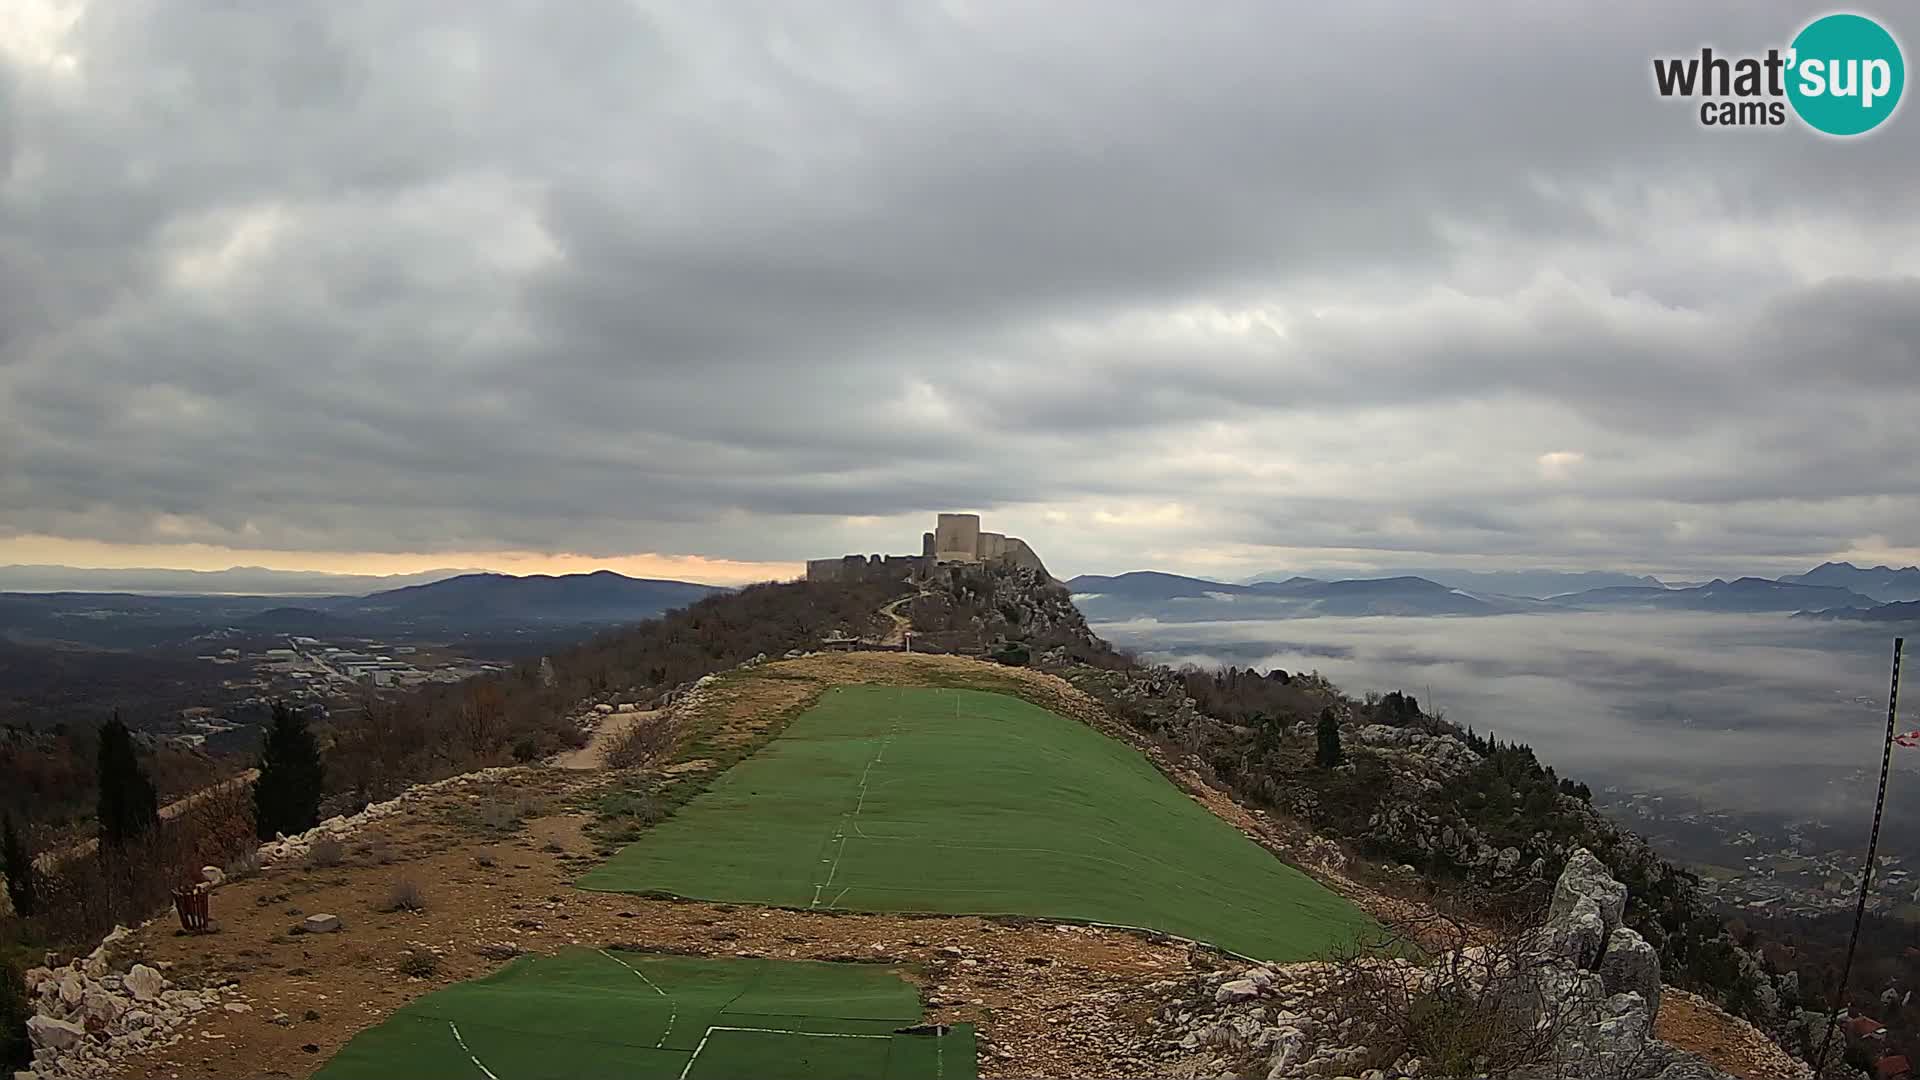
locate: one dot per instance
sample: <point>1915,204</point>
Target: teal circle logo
<point>1846,74</point>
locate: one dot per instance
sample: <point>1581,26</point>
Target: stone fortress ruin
<point>955,539</point>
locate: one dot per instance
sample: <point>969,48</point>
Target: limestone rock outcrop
<point>1585,979</point>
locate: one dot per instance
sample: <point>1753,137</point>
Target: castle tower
<point>956,538</point>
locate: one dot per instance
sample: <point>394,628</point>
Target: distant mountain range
<point>1741,594</point>
<point>602,596</point>
<point>1529,583</point>
<point>233,581</point>
<point>1882,583</point>
<point>1151,594</point>
<point>1904,611</point>
<point>465,605</point>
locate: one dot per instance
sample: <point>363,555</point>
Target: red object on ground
<point>191,903</point>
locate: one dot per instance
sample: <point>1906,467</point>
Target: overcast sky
<point>1216,288</point>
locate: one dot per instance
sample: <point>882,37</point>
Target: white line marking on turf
<point>470,1057</point>
<point>673,1007</point>
<point>853,818</point>
<point>708,1034</point>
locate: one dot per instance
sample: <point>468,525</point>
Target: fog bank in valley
<point>1746,713</point>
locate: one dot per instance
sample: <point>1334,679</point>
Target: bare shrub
<point>643,743</point>
<point>496,815</point>
<point>244,865</point>
<point>82,897</point>
<point>325,852</point>
<point>419,963</point>
<point>405,896</point>
<point>1475,1007</point>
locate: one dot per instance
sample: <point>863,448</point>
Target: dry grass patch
<point>405,896</point>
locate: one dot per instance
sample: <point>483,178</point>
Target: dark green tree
<point>286,797</point>
<point>22,888</point>
<point>1329,753</point>
<point>16,1048</point>
<point>129,807</point>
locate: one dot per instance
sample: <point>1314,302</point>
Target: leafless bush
<point>1475,1007</point>
<point>325,852</point>
<point>82,897</point>
<point>645,742</point>
<point>496,815</point>
<point>405,896</point>
<point>244,865</point>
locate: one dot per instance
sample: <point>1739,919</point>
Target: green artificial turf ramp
<point>588,1012</point>
<point>965,802</point>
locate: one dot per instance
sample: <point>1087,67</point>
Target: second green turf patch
<point>965,802</point>
<point>592,1012</point>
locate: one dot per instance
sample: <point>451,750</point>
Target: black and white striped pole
<point>1873,846</point>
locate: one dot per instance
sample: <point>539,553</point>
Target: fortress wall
<point>992,545</point>
<point>1019,554</point>
<point>864,568</point>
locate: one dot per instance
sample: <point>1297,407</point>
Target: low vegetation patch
<point>643,743</point>
<point>405,895</point>
<point>419,964</point>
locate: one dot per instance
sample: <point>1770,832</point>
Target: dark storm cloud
<point>613,277</point>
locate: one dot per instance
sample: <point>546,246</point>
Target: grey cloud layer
<point>610,277</point>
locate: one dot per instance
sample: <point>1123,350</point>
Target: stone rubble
<point>89,1014</point>
<point>1583,966</point>
<point>285,847</point>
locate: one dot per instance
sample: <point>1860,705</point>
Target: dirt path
<point>901,623</point>
<point>611,727</point>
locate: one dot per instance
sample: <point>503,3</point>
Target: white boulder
<point>54,1034</point>
<point>144,983</point>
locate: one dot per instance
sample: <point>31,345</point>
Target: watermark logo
<point>1841,75</point>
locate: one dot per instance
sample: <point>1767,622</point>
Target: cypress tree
<point>1329,753</point>
<point>16,1047</point>
<point>22,889</point>
<point>129,808</point>
<point>286,797</point>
